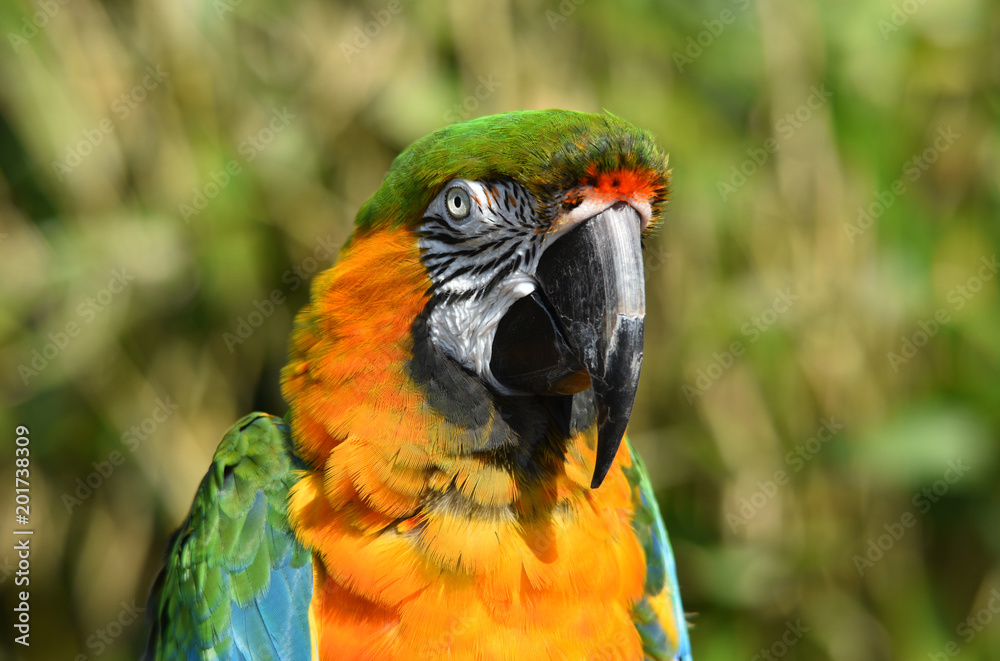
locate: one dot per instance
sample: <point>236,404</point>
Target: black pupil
<point>457,202</point>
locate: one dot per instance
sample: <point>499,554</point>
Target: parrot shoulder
<point>237,583</point>
<point>658,616</point>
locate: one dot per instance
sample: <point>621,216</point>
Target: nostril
<point>570,204</point>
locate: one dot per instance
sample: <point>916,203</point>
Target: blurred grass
<point>767,524</point>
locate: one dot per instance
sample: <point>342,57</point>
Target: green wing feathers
<point>659,616</point>
<point>237,584</point>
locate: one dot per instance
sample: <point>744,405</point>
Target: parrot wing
<point>659,616</point>
<point>237,584</point>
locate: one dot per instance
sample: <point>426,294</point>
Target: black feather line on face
<point>515,433</point>
<point>505,209</point>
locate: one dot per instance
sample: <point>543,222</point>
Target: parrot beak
<point>587,322</point>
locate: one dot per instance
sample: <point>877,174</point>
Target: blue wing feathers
<point>237,584</point>
<point>273,626</point>
<point>661,574</point>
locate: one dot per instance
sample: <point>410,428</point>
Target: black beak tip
<point>600,472</point>
<point>592,279</point>
<point>609,438</point>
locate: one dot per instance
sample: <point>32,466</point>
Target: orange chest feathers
<point>424,547</point>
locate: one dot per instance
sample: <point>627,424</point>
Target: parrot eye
<point>458,203</point>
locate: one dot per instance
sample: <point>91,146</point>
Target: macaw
<point>450,481</point>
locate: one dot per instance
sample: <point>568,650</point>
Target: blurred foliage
<point>823,339</point>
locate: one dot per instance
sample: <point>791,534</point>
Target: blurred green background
<point>820,402</point>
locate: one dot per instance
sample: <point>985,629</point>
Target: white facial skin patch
<point>481,242</point>
<point>480,264</point>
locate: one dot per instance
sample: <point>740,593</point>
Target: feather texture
<point>432,540</point>
<point>423,513</point>
<point>237,584</point>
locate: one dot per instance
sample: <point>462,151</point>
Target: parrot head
<point>460,382</point>
<point>529,227</point>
